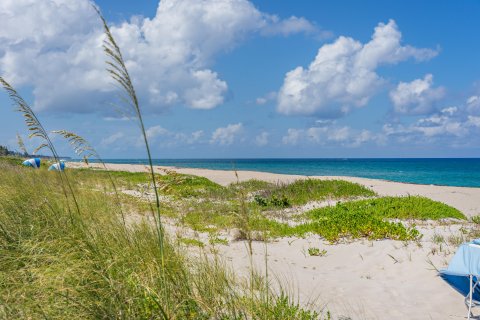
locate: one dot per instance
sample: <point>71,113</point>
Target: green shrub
<point>273,201</point>
<point>304,190</point>
<point>411,207</point>
<point>475,219</point>
<point>369,218</point>
<point>316,252</point>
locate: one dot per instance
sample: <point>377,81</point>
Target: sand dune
<point>464,199</point>
<point>364,279</point>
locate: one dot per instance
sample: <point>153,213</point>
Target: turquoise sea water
<point>451,172</point>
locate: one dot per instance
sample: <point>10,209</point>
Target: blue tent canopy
<point>59,166</point>
<point>466,260</point>
<point>34,163</point>
<point>463,273</point>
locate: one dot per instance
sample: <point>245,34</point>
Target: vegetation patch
<point>192,242</point>
<point>60,263</point>
<point>411,207</point>
<point>316,252</point>
<point>11,160</point>
<point>371,218</point>
<point>302,191</point>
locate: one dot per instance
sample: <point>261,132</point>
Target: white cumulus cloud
<point>112,139</point>
<point>293,136</point>
<point>449,122</point>
<point>331,135</point>
<point>473,104</point>
<point>225,136</point>
<point>54,46</point>
<point>262,139</point>
<point>416,97</point>
<point>343,73</point>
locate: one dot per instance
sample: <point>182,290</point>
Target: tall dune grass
<point>51,268</point>
<point>36,130</point>
<point>117,69</point>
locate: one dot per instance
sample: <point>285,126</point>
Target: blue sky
<point>238,78</point>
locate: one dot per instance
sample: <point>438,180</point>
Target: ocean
<point>463,172</point>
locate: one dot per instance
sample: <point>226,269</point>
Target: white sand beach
<point>364,279</point>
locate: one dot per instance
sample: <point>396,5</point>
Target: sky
<point>250,78</point>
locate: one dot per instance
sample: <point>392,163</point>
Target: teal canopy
<point>466,261</point>
<point>463,273</point>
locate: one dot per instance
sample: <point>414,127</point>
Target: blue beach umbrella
<point>57,166</point>
<point>34,163</point>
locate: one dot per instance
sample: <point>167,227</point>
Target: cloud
<point>169,138</point>
<point>293,136</point>
<point>343,74</point>
<point>195,136</point>
<point>112,139</point>
<point>449,122</point>
<point>156,131</point>
<point>290,26</point>
<point>473,104</point>
<point>226,136</point>
<point>262,139</point>
<point>416,97</point>
<point>54,46</point>
<point>266,98</point>
<point>473,121</point>
<point>330,135</point>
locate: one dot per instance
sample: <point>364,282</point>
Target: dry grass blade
<point>118,71</point>
<point>81,147</point>
<point>36,129</point>
<point>40,147</point>
<point>34,126</point>
<point>21,145</point>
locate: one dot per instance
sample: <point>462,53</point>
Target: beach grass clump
<point>252,185</point>
<point>170,183</point>
<point>475,219</point>
<point>91,263</point>
<point>11,160</point>
<point>51,268</point>
<point>123,179</point>
<point>185,186</point>
<point>316,252</point>
<point>209,216</point>
<point>192,242</point>
<point>302,191</point>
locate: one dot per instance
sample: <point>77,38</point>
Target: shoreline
<point>143,163</point>
<point>465,199</point>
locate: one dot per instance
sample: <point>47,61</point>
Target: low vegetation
<point>411,207</point>
<point>61,264</point>
<point>302,191</point>
<point>206,206</point>
<point>316,252</point>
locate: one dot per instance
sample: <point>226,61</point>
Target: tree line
<point>5,152</point>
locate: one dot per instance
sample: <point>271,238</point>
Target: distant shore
<point>465,199</point>
<point>455,172</point>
